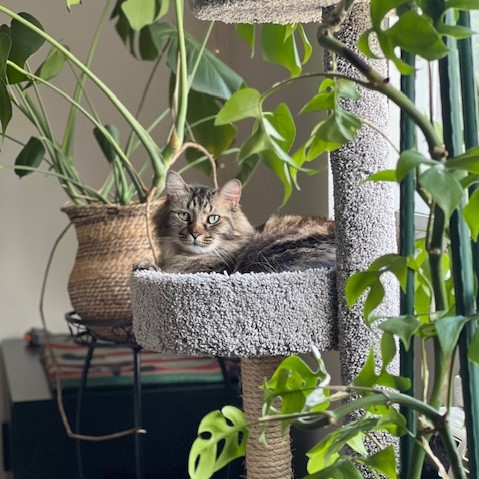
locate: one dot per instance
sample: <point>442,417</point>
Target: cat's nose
<point>194,234</point>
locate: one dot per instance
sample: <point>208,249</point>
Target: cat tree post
<point>364,212</point>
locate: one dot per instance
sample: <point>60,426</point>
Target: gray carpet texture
<point>242,315</point>
<point>260,11</point>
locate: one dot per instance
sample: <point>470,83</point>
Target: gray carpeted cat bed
<point>243,315</point>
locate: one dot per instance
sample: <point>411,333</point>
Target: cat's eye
<point>184,216</point>
<point>213,219</point>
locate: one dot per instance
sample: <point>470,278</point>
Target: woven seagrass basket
<point>111,239</point>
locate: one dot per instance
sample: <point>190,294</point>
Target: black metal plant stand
<point>107,334</point>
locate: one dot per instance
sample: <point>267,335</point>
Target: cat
<point>201,229</point>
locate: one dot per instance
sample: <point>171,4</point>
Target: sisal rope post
<point>271,461</point>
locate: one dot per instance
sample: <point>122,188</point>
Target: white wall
<point>30,216</point>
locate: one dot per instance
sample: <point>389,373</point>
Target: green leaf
<point>316,147</point>
<point>388,349</point>
<point>473,350</point>
<point>373,300</point>
<point>5,46</point>
<point>31,156</point>
<point>357,284</point>
<point>363,44</point>
<point>247,31</point>
<point>469,161</point>
<point>52,65</point>
<point>384,175</point>
<point>280,48</point>
<point>392,381</point>
<point>293,381</point>
<point>367,376</point>
<point>105,143</point>
<point>256,143</point>
<point>324,99</point>
<point>456,31</point>
<point>347,89</point>
<point>462,4</point>
<point>405,327</point>
<point>411,159</point>
<point>5,106</point>
<point>471,214</point>
<point>226,427</point>
<point>389,49</point>
<point>247,168</point>
<point>416,34</point>
<point>25,43</point>
<point>212,77</point>
<point>216,139</point>
<point>444,187</point>
<point>308,49</point>
<point>141,12</point>
<point>448,329</point>
<point>70,3</point>
<point>245,103</point>
<point>394,263</point>
<point>282,172</point>
<point>383,461</point>
<point>343,468</point>
<point>340,127</point>
<point>380,8</point>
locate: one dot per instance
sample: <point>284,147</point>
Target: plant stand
<point>82,334</point>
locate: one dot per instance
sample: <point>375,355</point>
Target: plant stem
<point>181,97</point>
<point>378,83</point>
<point>67,143</point>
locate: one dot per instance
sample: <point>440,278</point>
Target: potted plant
<point>438,275</point>
<point>195,73</point>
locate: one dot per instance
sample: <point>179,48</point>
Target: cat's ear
<point>231,191</point>
<point>175,184</point>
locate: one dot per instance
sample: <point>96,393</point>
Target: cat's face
<point>200,219</point>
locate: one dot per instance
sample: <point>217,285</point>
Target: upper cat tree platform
<point>243,315</point>
<point>261,11</point>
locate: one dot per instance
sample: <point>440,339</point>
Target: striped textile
<point>114,366</point>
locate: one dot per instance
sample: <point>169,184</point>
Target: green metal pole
<point>407,230</point>
<point>470,257</point>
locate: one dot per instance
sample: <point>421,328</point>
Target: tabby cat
<point>201,229</point>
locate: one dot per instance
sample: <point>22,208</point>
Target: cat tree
<point>263,317</point>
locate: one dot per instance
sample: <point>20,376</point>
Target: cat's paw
<point>145,265</point>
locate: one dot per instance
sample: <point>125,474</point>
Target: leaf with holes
<point>221,438</point>
<point>357,284</point>
<point>294,381</point>
<point>405,327</point>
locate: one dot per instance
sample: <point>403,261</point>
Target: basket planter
<point>110,240</point>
